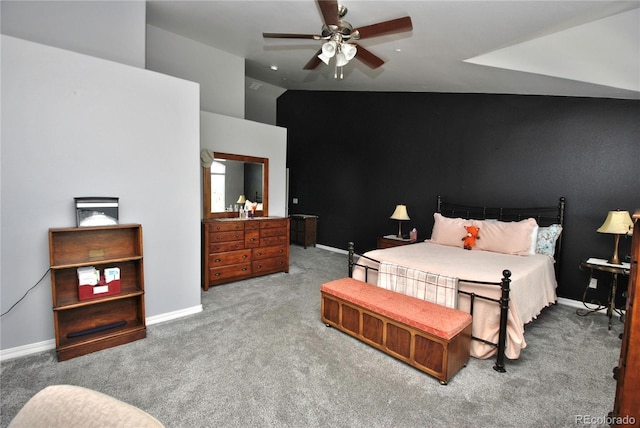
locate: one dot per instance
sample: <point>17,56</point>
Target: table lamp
<point>401,215</point>
<point>241,199</point>
<point>617,223</point>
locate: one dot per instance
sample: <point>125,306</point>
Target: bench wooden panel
<point>432,338</point>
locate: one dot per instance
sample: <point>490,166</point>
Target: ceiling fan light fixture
<point>324,58</point>
<point>349,51</point>
<point>329,49</point>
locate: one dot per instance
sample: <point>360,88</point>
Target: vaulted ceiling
<point>568,48</point>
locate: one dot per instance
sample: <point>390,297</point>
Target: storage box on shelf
<point>85,326</point>
<point>234,249</point>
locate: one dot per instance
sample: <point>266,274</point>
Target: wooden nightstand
<point>303,229</point>
<point>389,241</point>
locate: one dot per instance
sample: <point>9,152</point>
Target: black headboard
<point>545,216</point>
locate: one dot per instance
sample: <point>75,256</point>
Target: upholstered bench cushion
<point>431,318</point>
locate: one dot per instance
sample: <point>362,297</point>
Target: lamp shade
<point>617,222</point>
<point>349,51</point>
<point>241,200</point>
<point>329,48</point>
<point>400,213</point>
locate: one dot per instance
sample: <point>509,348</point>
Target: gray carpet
<point>258,355</point>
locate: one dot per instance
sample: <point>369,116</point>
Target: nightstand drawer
<point>385,242</point>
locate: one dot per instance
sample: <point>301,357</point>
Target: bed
<point>500,282</point>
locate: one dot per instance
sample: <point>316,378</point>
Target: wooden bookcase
<point>85,326</point>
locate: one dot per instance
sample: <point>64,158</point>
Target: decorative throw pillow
<point>506,237</point>
<point>448,231</point>
<point>546,240</point>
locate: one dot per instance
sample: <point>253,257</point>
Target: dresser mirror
<point>228,179</point>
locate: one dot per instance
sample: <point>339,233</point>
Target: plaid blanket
<point>434,288</point>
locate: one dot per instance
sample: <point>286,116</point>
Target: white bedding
<point>533,286</point>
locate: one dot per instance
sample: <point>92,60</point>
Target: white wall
<point>113,30</point>
<point>261,101</point>
<point>75,125</point>
<point>220,74</point>
<point>230,135</point>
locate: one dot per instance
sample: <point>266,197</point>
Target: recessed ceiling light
<point>398,50</point>
<point>274,67</point>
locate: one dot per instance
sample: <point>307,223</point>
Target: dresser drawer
<point>229,258</point>
<point>273,240</point>
<point>225,226</point>
<point>275,223</point>
<point>251,239</point>
<point>251,225</point>
<point>266,252</point>
<point>227,273</point>
<point>219,247</point>
<point>274,231</point>
<point>236,235</point>
<point>273,264</point>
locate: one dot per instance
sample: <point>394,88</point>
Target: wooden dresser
<point>235,249</point>
<point>627,402</point>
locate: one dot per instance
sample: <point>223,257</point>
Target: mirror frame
<point>206,186</point>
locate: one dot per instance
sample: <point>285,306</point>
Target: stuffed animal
<point>472,235</point>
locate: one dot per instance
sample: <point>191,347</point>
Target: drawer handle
<point>217,260</point>
<point>217,274</point>
<point>259,254</point>
<point>244,256</point>
<point>244,269</point>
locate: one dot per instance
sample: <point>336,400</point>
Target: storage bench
<point>432,338</point>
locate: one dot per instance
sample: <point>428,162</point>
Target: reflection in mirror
<point>233,183</point>
<point>231,180</point>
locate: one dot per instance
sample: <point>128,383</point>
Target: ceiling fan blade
<point>313,62</point>
<point>368,58</point>
<point>329,9</point>
<point>290,36</point>
<point>387,27</point>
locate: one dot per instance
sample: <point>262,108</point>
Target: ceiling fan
<point>338,36</point>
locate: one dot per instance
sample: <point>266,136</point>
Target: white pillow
<point>448,231</point>
<point>508,237</point>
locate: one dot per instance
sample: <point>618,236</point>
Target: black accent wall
<point>353,156</point>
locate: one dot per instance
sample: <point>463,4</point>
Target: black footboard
<point>503,303</point>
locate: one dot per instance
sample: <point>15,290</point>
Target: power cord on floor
<point>25,294</point>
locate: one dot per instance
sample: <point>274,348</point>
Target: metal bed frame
<point>545,216</point>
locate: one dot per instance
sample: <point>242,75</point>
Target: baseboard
<point>157,319</point>
<point>579,305</point>
<point>24,350</point>
<point>48,345</point>
<point>335,250</point>
<point>570,302</point>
